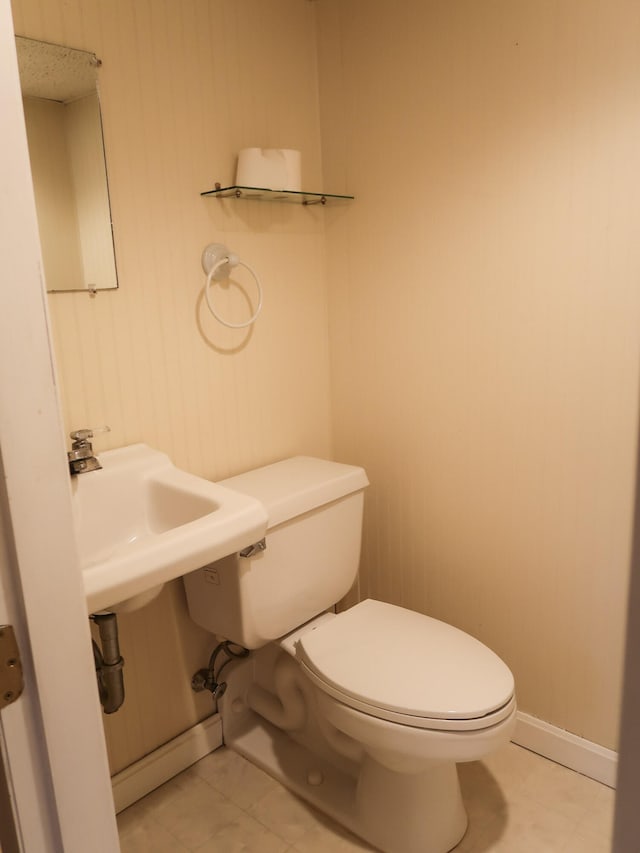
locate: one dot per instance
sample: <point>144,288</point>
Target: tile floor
<point>517,801</point>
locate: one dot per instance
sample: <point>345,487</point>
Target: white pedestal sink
<point>141,522</point>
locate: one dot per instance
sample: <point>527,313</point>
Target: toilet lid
<point>383,658</point>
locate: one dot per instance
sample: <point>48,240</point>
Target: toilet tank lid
<point>294,486</point>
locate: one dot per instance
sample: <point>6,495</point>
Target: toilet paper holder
<point>218,262</point>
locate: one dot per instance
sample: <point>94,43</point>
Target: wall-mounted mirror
<point>64,131</point>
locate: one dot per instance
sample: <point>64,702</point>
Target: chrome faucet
<point>81,458</point>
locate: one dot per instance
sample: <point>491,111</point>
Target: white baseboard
<point>162,764</point>
<point>567,749</point>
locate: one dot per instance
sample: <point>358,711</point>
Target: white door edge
<point>56,754</point>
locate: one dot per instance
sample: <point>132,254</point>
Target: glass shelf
<point>287,196</point>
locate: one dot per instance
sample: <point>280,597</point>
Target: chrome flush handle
<point>252,550</point>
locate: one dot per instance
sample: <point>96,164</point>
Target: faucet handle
<point>86,434</point>
<point>81,456</point>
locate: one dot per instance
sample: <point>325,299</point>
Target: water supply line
<point>109,662</point>
<point>209,678</point>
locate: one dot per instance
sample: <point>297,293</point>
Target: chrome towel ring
<point>217,262</point>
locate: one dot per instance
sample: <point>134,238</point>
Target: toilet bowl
<point>405,684</point>
<point>415,696</point>
<point>378,703</point>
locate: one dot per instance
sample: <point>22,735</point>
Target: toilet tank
<point>310,560</point>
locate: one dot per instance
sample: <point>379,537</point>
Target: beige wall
<point>183,87</point>
<point>484,321</point>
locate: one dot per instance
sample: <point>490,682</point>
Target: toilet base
<point>379,810</point>
<point>410,812</point>
<point>395,812</point>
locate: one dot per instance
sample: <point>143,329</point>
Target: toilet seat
<point>407,668</point>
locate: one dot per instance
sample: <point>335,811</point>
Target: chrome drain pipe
<point>109,662</point>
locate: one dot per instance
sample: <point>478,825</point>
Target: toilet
<point>364,713</point>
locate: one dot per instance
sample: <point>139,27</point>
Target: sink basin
<point>141,522</point>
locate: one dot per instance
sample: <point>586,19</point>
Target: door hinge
<point>11,680</point>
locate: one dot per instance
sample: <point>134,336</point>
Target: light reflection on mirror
<point>66,150</point>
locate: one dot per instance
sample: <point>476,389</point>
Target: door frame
<point>55,755</point>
